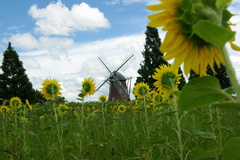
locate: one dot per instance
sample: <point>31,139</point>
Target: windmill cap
<point>120,76</point>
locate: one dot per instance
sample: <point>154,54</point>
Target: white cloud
<point>128,2</point>
<point>57,19</point>
<point>24,41</point>
<point>149,2</point>
<point>31,64</point>
<point>112,2</point>
<point>27,42</point>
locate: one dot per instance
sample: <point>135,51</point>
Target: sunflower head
<point>141,90</point>
<point>51,88</point>
<point>15,102</point>
<point>4,109</point>
<point>88,86</point>
<point>62,108</point>
<point>167,79</point>
<point>121,108</point>
<point>191,26</point>
<point>158,98</point>
<point>102,98</point>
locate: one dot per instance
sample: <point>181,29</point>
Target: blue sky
<point>62,39</point>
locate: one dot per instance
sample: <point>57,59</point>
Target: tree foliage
<point>13,80</point>
<point>153,58</point>
<point>220,73</point>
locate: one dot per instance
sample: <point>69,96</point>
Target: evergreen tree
<point>152,59</point>
<point>14,81</point>
<point>220,74</point>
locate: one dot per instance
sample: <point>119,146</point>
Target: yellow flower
<point>4,109</point>
<point>102,98</point>
<point>121,109</point>
<point>167,79</point>
<point>62,108</point>
<point>24,119</point>
<point>29,106</point>
<point>88,86</point>
<point>141,90</point>
<point>15,102</point>
<point>51,88</point>
<point>158,98</point>
<point>41,117</point>
<point>177,17</point>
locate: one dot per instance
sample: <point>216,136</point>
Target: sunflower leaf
<point>229,106</point>
<point>221,3</point>
<point>199,92</point>
<point>231,149</point>
<point>213,33</point>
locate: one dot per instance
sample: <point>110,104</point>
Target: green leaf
<point>46,128</point>
<point>203,134</point>
<point>65,132</point>
<point>221,4</point>
<point>199,92</point>
<point>176,93</point>
<point>166,129</point>
<point>168,114</point>
<point>207,158</point>
<point>64,123</point>
<point>213,33</point>
<point>230,106</point>
<point>231,149</point>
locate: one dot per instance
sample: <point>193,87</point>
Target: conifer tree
<point>153,58</point>
<point>14,81</point>
<point>220,73</point>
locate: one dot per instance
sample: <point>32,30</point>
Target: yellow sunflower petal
<point>234,46</point>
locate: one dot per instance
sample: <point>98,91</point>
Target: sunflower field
<point>148,128</point>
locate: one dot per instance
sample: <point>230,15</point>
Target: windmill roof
<point>120,76</point>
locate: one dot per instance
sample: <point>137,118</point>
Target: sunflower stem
<point>231,73</point>
<point>104,123</point>
<point>178,121</point>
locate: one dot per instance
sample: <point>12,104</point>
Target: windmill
<point>118,89</point>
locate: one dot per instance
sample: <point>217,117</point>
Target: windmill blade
<point>118,85</point>
<point>124,62</point>
<point>104,65</point>
<point>129,84</point>
<point>102,84</point>
<point>126,65</point>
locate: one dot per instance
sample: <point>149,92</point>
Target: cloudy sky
<point>63,39</point>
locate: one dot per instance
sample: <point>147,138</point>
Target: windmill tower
<point>118,89</point>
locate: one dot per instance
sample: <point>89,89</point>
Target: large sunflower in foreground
<point>15,102</point>
<point>167,79</point>
<point>51,88</point>
<point>178,18</point>
<point>88,86</point>
<point>141,90</point>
